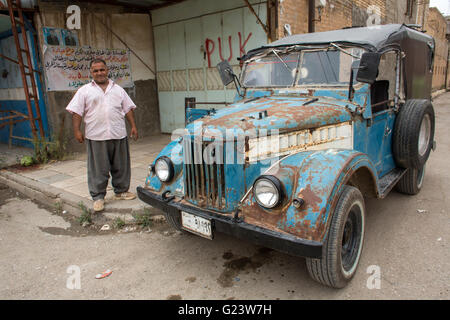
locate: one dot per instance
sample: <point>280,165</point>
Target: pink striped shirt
<point>103,111</point>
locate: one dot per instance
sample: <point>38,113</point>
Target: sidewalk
<point>66,181</point>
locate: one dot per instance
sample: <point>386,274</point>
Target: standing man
<point>104,105</point>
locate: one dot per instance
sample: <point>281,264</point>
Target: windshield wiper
<point>344,51</point>
<point>276,54</point>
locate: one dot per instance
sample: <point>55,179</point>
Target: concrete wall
<point>135,29</point>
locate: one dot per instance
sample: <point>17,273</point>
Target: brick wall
<point>448,57</point>
<point>293,13</point>
<point>337,14</point>
<point>436,26</point>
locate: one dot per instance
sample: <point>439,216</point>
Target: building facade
<point>436,26</point>
<point>174,47</point>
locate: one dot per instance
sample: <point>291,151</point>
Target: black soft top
<point>417,46</point>
<point>373,38</point>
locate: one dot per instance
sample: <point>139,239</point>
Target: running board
<point>389,180</point>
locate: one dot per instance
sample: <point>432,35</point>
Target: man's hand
<point>134,133</point>
<point>76,123</point>
<point>79,136</point>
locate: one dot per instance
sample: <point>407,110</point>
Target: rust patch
<point>311,199</point>
<point>269,219</point>
<point>290,110</point>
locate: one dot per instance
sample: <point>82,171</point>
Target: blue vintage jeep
<point>320,121</point>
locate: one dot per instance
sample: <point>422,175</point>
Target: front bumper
<point>237,228</point>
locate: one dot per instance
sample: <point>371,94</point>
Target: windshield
<point>306,67</point>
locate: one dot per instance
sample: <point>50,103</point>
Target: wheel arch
<point>364,180</point>
<point>317,178</point>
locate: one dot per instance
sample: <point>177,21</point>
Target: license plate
<point>196,224</point>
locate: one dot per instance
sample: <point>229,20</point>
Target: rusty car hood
<point>278,113</point>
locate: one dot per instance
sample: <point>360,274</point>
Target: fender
<point>318,178</point>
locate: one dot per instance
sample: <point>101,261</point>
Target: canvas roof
<point>373,38</point>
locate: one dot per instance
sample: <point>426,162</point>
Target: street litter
<point>128,229</point>
<point>422,211</point>
<point>104,274</point>
<point>106,227</point>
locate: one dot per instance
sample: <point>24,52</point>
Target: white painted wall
<point>185,35</point>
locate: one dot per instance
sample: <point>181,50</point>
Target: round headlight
<point>267,191</point>
<point>164,169</point>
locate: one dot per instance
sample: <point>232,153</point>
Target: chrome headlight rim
<point>276,183</point>
<point>170,169</point>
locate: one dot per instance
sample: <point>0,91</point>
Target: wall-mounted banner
<point>67,68</point>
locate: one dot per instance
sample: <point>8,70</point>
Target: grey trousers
<point>105,158</point>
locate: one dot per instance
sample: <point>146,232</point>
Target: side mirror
<point>226,72</point>
<point>368,67</point>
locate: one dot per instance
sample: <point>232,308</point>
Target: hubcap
<point>420,175</point>
<point>424,134</point>
<point>351,239</point>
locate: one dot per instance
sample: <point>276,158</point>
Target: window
<point>307,67</point>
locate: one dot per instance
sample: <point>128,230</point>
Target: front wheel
<point>343,245</point>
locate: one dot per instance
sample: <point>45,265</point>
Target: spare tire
<point>413,134</point>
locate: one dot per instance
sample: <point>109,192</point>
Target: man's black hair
<point>97,60</point>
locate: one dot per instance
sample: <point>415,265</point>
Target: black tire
<point>411,182</point>
<point>175,222</point>
<point>343,245</point>
<point>413,134</point>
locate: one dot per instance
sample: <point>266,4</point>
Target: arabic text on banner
<point>67,68</point>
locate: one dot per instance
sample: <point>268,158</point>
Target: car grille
<point>204,176</point>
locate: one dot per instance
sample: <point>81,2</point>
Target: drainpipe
<point>446,68</point>
<point>425,8</point>
<point>311,16</point>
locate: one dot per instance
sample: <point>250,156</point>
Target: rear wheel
<point>412,181</point>
<point>414,134</point>
<point>343,245</point>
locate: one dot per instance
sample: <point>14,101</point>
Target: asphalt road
<point>48,255</point>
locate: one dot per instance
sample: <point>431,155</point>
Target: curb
<point>68,201</point>
<point>438,93</point>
